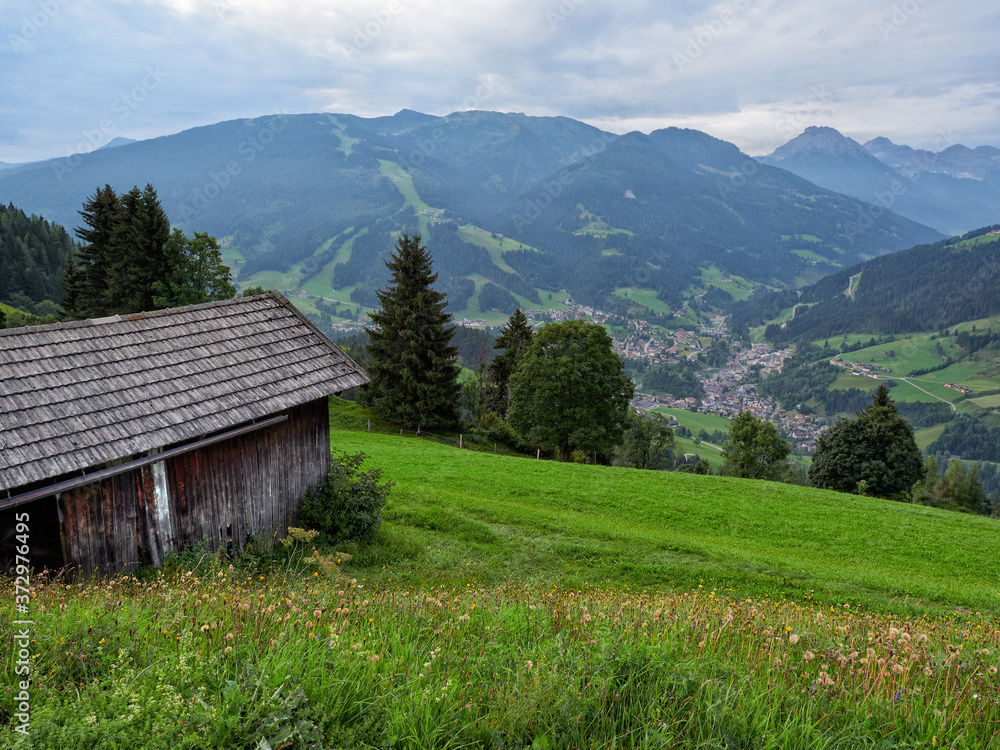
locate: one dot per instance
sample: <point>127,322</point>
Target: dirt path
<point>910,382</point>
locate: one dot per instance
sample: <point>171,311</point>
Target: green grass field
<point>696,421</point>
<point>508,602</point>
<point>496,246</point>
<point>928,435</point>
<point>710,454</point>
<point>504,517</point>
<point>646,297</point>
<point>740,288</point>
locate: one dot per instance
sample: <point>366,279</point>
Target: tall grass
<point>459,513</point>
<point>514,603</point>
<point>307,659</point>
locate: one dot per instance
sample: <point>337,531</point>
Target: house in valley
<point>125,438</point>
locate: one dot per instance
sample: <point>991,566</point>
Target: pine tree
<point>514,339</point>
<point>130,262</point>
<point>139,260</point>
<point>414,378</point>
<point>90,278</point>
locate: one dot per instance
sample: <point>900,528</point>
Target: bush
<point>497,429</point>
<point>348,503</point>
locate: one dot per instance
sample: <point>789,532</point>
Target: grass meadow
<point>516,603</point>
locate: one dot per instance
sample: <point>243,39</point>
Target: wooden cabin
<point>125,438</point>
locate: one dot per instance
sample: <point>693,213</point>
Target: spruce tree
<point>139,260</point>
<point>90,276</point>
<point>130,262</point>
<point>414,378</point>
<point>514,339</point>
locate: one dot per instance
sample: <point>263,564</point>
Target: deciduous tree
<point>195,272</point>
<point>875,453</point>
<point>570,390</point>
<point>648,443</point>
<point>755,449</point>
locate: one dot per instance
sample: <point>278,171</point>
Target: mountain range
<point>922,289</point>
<point>954,190</point>
<point>521,203</point>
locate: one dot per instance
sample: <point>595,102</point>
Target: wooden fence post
<point>539,454</point>
<point>460,441</point>
<point>369,425</point>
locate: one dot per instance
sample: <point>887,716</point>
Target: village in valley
<point>728,389</point>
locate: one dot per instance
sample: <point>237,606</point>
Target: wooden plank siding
<point>250,484</point>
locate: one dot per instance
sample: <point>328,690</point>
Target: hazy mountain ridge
<point>954,190</point>
<point>924,288</point>
<point>323,191</point>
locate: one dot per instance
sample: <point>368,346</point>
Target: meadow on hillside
<point>515,603</point>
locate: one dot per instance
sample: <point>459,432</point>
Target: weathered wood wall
<point>250,484</point>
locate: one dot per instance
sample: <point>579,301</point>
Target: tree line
<point>33,253</point>
<point>130,261</point>
<point>562,388</point>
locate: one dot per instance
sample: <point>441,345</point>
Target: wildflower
<point>317,613</point>
<point>463,618</point>
<point>793,638</point>
<point>898,669</point>
<point>808,656</point>
<point>204,628</point>
<point>229,649</point>
<point>893,632</point>
<point>528,664</point>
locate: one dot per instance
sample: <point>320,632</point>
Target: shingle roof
<point>77,395</point>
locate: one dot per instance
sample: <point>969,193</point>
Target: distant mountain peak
<point>821,140</point>
<point>117,141</point>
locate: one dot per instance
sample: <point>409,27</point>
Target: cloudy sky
<point>76,73</point>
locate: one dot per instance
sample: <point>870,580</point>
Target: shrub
<point>348,503</point>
